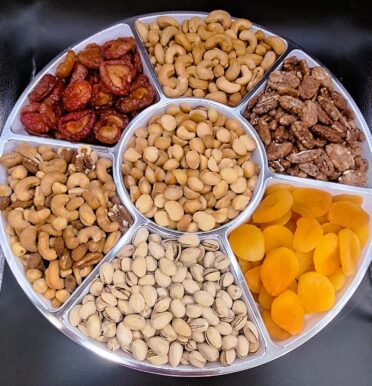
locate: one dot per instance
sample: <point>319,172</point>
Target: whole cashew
<point>78,179</point>
<point>57,205</point>
<point>172,51</point>
<point>217,96</point>
<point>224,85</point>
<point>28,238</point>
<point>101,169</point>
<point>246,75</point>
<point>257,59</point>
<point>49,229</point>
<point>23,190</point>
<point>251,38</point>
<point>239,47</point>
<point>142,31</point>
<point>96,188</point>
<point>183,40</point>
<point>92,232</point>
<point>111,241</point>
<point>204,33</point>
<point>43,247</point>
<point>240,24</point>
<point>193,37</point>
<point>165,21</point>
<point>165,76</point>
<point>268,60</point>
<point>55,165</point>
<point>103,221</point>
<point>231,34</point>
<point>16,220</point>
<point>194,23</point>
<point>198,52</point>
<point>218,54</point>
<point>247,61</point>
<point>36,216</point>
<point>167,34</point>
<point>49,179</point>
<point>222,40</point>
<point>71,240</point>
<point>180,89</point>
<point>159,53</point>
<point>219,16</point>
<point>75,203</point>
<point>52,276</point>
<point>218,71</point>
<point>198,83</point>
<point>215,27</point>
<point>87,216</point>
<point>257,74</point>
<point>181,63</point>
<point>277,44</point>
<point>233,71</point>
<point>91,199</point>
<point>204,70</point>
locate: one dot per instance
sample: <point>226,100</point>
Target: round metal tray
<point>14,134</point>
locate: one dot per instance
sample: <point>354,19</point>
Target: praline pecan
<point>267,101</point>
<point>302,133</point>
<point>327,133</point>
<point>278,150</point>
<point>308,87</point>
<point>340,156</point>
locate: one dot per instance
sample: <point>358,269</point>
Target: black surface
<point>339,33</point>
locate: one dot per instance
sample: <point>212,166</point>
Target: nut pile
<point>213,57</point>
<point>308,128</point>
<point>190,169</point>
<point>92,96</point>
<point>62,215</point>
<point>168,301</point>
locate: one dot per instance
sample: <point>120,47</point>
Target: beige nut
<point>43,247</point>
<point>23,189</point>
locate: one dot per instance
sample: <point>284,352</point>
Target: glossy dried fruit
<point>43,88</point>
<point>275,187</point>
<point>363,234</point>
<point>316,292</point>
<point>307,235</point>
<point>347,214</point>
<point>252,277</point>
<point>330,228</point>
<point>101,97</point>
<point>280,221</point>
<point>80,73</point>
<point>244,265</point>
<point>276,236</point>
<point>76,126</point>
<point>349,250</point>
<point>109,127</point>
<point>34,123</point>
<point>326,254</point>
<point>50,113</point>
<point>349,197</point>
<point>77,95</point>
<point>288,313</point>
<point>264,298</point>
<point>279,270</point>
<point>57,92</point>
<point>274,330</point>
<point>115,49</point>
<point>274,206</point>
<point>117,75</point>
<point>65,68</point>
<point>311,202</point>
<point>337,279</point>
<point>247,242</point>
<point>91,56</point>
<point>305,262</point>
<point>137,62</point>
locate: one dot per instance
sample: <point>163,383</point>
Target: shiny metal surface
<point>13,134</point>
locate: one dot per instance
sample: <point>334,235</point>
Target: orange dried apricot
<point>331,228</point>
<point>274,206</point>
<point>252,277</point>
<point>293,286</point>
<point>247,242</point>
<point>322,219</point>
<point>244,265</point>
<point>275,187</point>
<point>310,202</point>
<point>347,214</point>
<point>316,292</point>
<point>349,250</point>
<point>264,298</point>
<point>292,223</point>
<point>305,262</point>
<point>349,197</point>
<point>278,270</point>
<point>280,221</point>
<point>307,235</point>
<point>363,234</point>
<point>273,329</point>
<point>337,279</point>
<point>288,313</point>
<point>276,236</point>
<point>326,254</point>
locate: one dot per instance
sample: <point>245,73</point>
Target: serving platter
<point>14,134</point>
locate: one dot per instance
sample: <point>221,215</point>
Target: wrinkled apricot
<point>305,262</point>
<point>275,187</point>
<point>252,277</point>
<point>316,292</point>
<point>274,206</point>
<point>363,234</point>
<point>278,270</point>
<point>307,235</point>
<point>331,228</point>
<point>326,254</point>
<point>264,298</point>
<point>347,214</point>
<point>247,242</point>
<point>349,250</point>
<point>288,313</point>
<point>310,202</point>
<point>349,197</point>
<point>276,236</point>
<point>337,279</point>
<point>276,332</point>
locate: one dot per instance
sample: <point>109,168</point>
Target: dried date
<point>80,73</point>
<point>115,49</point>
<point>117,75</point>
<point>43,88</point>
<point>77,95</point>
<point>76,126</point>
<point>65,68</point>
<point>91,56</point>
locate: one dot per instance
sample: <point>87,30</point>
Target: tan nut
<point>28,239</point>
<point>49,179</point>
<point>52,276</point>
<point>78,180</point>
<point>172,52</point>
<point>101,169</point>
<point>55,165</point>
<point>229,87</point>
<point>16,220</point>
<point>90,233</point>
<point>219,40</point>
<point>179,90</point>
<point>219,16</point>
<point>57,205</point>
<point>71,240</point>
<point>103,221</point>
<point>86,214</point>
<point>23,189</point>
<point>43,247</point>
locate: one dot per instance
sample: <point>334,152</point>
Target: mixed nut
<point>168,301</point>
<point>214,57</point>
<point>307,127</point>
<point>190,169</point>
<point>62,215</point>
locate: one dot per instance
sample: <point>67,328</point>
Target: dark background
<point>339,33</point>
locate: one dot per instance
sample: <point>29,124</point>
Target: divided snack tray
<point>14,134</point>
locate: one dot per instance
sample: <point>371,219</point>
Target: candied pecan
<point>138,98</point>
<point>77,95</point>
<point>278,150</point>
<point>355,149</point>
<point>309,86</point>
<point>290,63</point>
<point>65,68</point>
<point>309,114</point>
<point>77,125</point>
<point>303,67</point>
<point>137,62</point>
<point>327,133</point>
<point>302,133</point>
<point>329,107</point>
<point>361,164</point>
<point>115,49</point>
<point>80,73</point>
<point>322,115</point>
<point>77,224</point>
<point>291,104</point>
<point>324,164</point>
<point>253,118</point>
<point>279,134</point>
<point>109,127</point>
<point>252,102</point>
<point>278,79</point>
<point>4,202</point>
<point>304,156</point>
<point>117,75</point>
<point>43,88</point>
<point>276,166</point>
<point>310,169</point>
<point>296,172</point>
<point>320,74</point>
<point>339,127</point>
<point>284,90</point>
<point>338,100</point>
<point>340,156</point>
<point>273,125</point>
<point>355,135</point>
<point>263,131</point>
<point>267,101</point>
<point>319,142</point>
<point>33,121</point>
<point>91,56</point>
<point>354,177</point>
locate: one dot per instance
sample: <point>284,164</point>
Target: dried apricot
<point>244,265</point>
<point>349,250</point>
<point>307,235</point>
<point>275,187</point>
<point>316,292</point>
<point>326,254</point>
<point>337,279</point>
<point>274,330</point>
<point>349,197</point>
<point>292,223</point>
<point>274,206</point>
<point>279,269</point>
<point>264,298</point>
<point>363,234</point>
<point>276,236</point>
<point>293,286</point>
<point>288,313</point>
<point>252,278</point>
<point>331,228</point>
<point>322,219</point>
<point>310,202</point>
<point>280,221</point>
<point>347,214</point>
<point>247,242</point>
<point>305,262</point>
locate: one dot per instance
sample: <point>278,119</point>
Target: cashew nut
<point>171,52</point>
<point>247,61</point>
<point>181,63</point>
<point>220,40</point>
<point>198,52</point>
<point>78,179</point>
<point>198,83</point>
<point>159,53</point>
<point>36,216</point>
<point>183,40</point>
<point>101,169</point>
<point>277,44</point>
<point>218,54</point>
<point>43,246</point>
<point>23,190</point>
<point>75,203</point>
<point>55,165</point>
<point>111,241</point>
<point>92,232</point>
<point>224,85</point>
<point>91,199</point>
<point>233,71</point>
<point>52,276</point>
<point>268,60</point>
<point>28,239</point>
<point>246,75</point>
<point>96,189</point>
<point>165,21</point>
<point>204,33</point>
<point>59,223</point>
<point>180,89</point>
<point>251,38</point>
<point>240,24</point>
<point>142,31</point>
<point>193,37</point>
<point>16,220</point>
<point>204,70</point>
<point>49,229</point>
<point>194,23</point>
<point>49,179</point>
<point>257,74</point>
<point>103,221</point>
<point>71,240</point>
<point>220,16</point>
<point>165,76</point>
<point>217,96</point>
<point>257,59</point>
<point>57,205</point>
<point>87,216</point>
<point>239,47</point>
<point>167,34</point>
<point>18,172</point>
